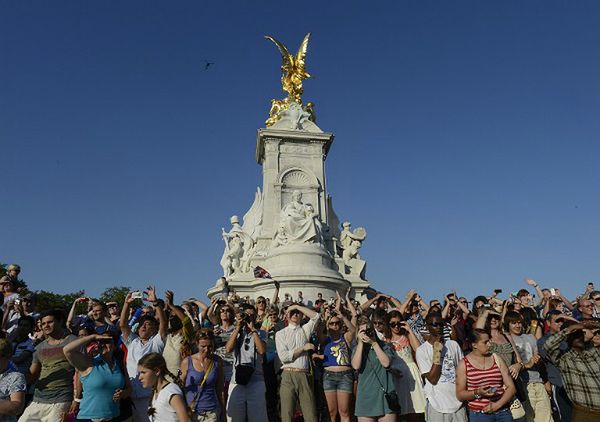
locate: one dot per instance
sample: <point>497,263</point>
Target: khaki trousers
<point>297,386</point>
<point>537,407</point>
<point>45,412</point>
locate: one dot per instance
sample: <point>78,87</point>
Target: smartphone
<point>497,291</point>
<point>137,295</point>
<point>553,291</point>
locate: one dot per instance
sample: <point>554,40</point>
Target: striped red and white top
<point>480,378</point>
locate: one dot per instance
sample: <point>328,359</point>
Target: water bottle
<point>136,315</point>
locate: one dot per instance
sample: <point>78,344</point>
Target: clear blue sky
<point>467,137</point>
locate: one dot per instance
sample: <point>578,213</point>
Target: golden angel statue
<point>293,72</point>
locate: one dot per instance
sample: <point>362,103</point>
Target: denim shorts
<point>338,381</point>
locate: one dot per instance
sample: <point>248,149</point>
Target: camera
<point>369,332</point>
<point>247,318</point>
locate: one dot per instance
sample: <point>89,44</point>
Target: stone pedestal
<point>292,156</point>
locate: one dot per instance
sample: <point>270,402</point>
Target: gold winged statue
<point>293,72</point>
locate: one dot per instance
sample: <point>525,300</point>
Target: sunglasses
<point>596,333</point>
<point>377,322</point>
<point>334,323</point>
<point>436,325</point>
<point>596,298</point>
<point>395,324</point>
<point>247,343</point>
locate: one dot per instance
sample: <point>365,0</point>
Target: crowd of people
<point>534,355</point>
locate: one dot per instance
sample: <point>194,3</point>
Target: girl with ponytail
<point>166,402</point>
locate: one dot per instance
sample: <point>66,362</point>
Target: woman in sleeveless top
<point>202,376</point>
<point>408,380</point>
<point>483,380</point>
<point>499,344</point>
<point>104,382</point>
<point>338,375</point>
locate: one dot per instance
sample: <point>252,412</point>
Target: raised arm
<point>433,376</point>
<point>462,307</point>
<point>349,335</point>
<point>408,298</point>
<point>275,299</point>
<point>214,319</point>
<point>171,306</point>
<point>71,315</point>
<point>397,304</point>
<point>351,308</point>
<point>446,309</point>
<point>123,321</point>
<point>357,356</point>
<point>424,306</point>
<point>482,319</point>
<point>566,301</point>
<point>163,324</point>
<point>537,288</point>
<point>76,357</point>
<point>306,311</point>
<point>9,307</point>
<point>412,338</point>
<point>230,345</point>
<point>369,302</point>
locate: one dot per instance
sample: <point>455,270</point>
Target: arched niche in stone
<point>302,180</point>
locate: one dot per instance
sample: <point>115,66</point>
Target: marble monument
<point>291,229</point>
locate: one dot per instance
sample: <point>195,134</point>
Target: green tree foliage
<point>48,300</point>
<point>115,294</point>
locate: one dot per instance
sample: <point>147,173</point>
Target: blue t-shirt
<point>337,353</point>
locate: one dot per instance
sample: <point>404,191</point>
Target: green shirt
<point>55,384</point>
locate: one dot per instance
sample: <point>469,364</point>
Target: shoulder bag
<point>391,397</point>
<point>516,407</point>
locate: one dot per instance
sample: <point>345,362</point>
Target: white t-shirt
<point>135,351</point>
<point>163,410</point>
<point>526,345</point>
<point>441,396</point>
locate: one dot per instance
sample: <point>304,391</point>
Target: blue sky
<point>466,137</point>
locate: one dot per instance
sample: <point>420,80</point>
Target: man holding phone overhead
<point>150,338</point>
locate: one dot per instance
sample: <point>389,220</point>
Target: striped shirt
<point>480,378</point>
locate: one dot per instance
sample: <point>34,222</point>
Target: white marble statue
<point>280,238</point>
<point>351,252</point>
<point>235,242</point>
<point>350,243</point>
<point>240,241</point>
<point>299,221</point>
<point>347,236</point>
